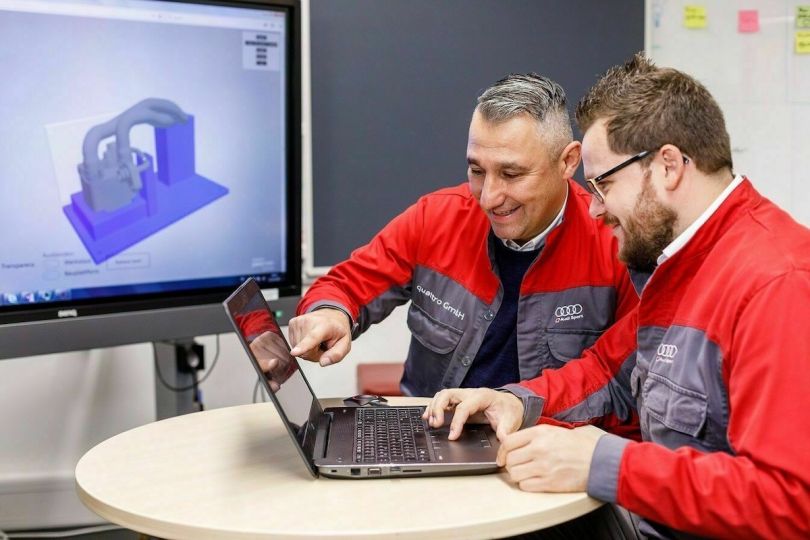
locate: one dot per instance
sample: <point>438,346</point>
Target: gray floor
<point>118,534</point>
<point>123,534</point>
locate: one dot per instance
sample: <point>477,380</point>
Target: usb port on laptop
<point>374,471</point>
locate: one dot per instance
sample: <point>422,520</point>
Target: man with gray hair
<point>506,273</point>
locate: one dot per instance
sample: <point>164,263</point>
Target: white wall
<point>53,408</point>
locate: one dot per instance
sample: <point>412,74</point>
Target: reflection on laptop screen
<point>270,354</point>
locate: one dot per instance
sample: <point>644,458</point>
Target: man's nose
<point>492,193</point>
<point>596,208</point>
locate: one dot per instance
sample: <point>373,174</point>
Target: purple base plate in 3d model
<point>106,234</point>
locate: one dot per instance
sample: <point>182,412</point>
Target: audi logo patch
<point>667,351</point>
<point>568,313</point>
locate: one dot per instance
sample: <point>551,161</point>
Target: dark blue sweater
<point>496,363</point>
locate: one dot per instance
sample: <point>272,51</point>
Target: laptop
<point>349,442</point>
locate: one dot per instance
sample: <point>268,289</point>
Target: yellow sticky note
<point>695,16</point>
<point>803,42</point>
<point>802,16</point>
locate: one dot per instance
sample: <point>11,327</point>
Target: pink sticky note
<point>748,20</point>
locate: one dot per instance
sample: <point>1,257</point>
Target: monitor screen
<point>150,155</point>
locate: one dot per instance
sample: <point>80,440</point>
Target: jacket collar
<point>692,229</point>
<point>741,198</point>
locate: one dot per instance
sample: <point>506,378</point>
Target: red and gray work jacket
<point>720,380</point>
<point>438,254</point>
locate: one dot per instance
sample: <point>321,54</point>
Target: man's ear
<point>674,163</point>
<point>569,159</point>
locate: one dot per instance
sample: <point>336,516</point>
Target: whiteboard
<point>750,63</point>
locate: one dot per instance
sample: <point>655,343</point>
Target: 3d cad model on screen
<point>123,199</point>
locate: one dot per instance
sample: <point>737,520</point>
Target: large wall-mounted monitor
<point>150,161</point>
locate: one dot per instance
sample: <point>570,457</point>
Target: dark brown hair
<point>646,107</point>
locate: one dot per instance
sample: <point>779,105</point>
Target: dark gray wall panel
<point>394,84</point>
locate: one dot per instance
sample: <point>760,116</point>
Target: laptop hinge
<point>322,436</point>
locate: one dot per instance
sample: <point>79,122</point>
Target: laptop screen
<point>270,354</point>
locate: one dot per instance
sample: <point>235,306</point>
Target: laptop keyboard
<point>390,435</point>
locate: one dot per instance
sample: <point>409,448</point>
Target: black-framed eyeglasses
<point>592,184</point>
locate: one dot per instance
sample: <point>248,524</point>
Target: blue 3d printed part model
<point>123,200</point>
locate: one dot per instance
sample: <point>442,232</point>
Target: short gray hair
<point>535,95</point>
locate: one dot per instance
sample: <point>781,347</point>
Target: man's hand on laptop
<point>323,336</point>
<point>502,410</point>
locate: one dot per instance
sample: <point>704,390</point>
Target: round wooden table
<point>234,473</point>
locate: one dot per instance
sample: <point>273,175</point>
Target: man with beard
<point>716,351</point>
